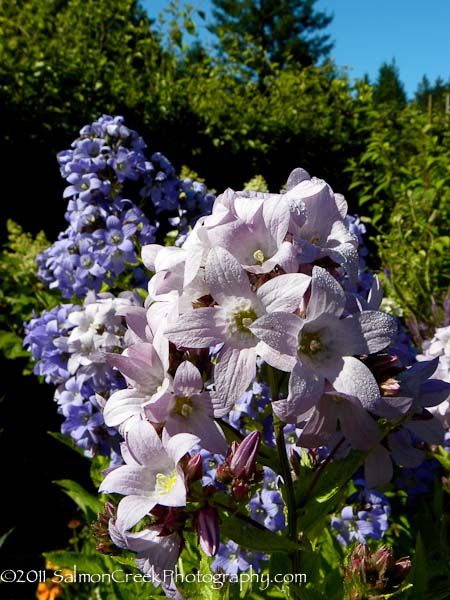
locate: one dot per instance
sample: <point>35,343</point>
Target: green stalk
<point>285,468</point>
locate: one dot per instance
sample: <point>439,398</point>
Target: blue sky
<point>368,32</point>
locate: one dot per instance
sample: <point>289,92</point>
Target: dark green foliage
<point>433,97</point>
<point>271,32</point>
<point>388,88</point>
<point>403,181</point>
<point>63,63</point>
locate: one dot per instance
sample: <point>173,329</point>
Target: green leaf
<point>316,504</point>
<point>254,538</point>
<point>89,504</point>
<point>5,536</point>
<point>11,345</point>
<point>67,441</point>
<point>419,573</point>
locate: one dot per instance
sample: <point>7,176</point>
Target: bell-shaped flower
<point>156,554</point>
<point>322,346</point>
<point>185,408</point>
<point>151,474</point>
<point>355,423</point>
<point>253,227</point>
<point>229,322</point>
<point>144,372</point>
<point>317,222</point>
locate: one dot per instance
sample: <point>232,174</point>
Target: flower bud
<point>194,468</point>
<point>208,530</point>
<point>400,571</point>
<point>223,473</point>
<point>240,489</point>
<point>243,461</point>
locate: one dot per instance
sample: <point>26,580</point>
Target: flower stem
<point>285,469</point>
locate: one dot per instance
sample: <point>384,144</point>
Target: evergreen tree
<point>261,33</point>
<point>432,95</point>
<point>389,88</point>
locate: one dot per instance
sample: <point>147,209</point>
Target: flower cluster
<point>69,343</point>
<point>438,347</point>
<point>370,521</point>
<point>105,167</point>
<point>263,292</point>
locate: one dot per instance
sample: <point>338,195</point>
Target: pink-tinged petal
<point>128,480</point>
<point>357,425</point>
<point>131,510</point>
<point>351,377</point>
<point>429,430</point>
<point>321,209</point>
<point>118,537</point>
<point>275,359</point>
<point>225,277</point>
<point>198,328</point>
<point>286,257</point>
<point>158,559</point>
<point>137,322</point>
<point>248,209</point>
<point>122,405</point>
<point>179,445</point>
<point>197,246</point>
<point>276,218</point>
<point>169,258</point>
<point>378,469</point>
<point>284,293</point>
<point>379,329</point>
<point>305,388</point>
<point>327,296</point>
<point>143,443</point>
<point>140,364</point>
<point>202,426</point>
<point>188,380</point>
<point>148,255</point>
<point>402,450</point>
<point>297,176</point>
<point>279,330</point>
<point>158,407</point>
<point>234,371</point>
<point>321,425</point>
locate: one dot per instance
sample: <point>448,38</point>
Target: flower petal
<point>350,376</point>
<point>234,371</point>
<point>187,380</point>
<point>378,469</point>
<point>131,510</point>
<point>279,330</point>
<point>198,328</point>
<point>327,296</point>
<point>284,293</point>
<point>225,277</point>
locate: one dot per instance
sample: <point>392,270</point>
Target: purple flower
<point>370,520</point>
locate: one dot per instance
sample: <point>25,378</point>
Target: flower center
<point>239,318</point>
<point>258,255</point>
<point>310,344</point>
<point>164,482</point>
<point>183,406</point>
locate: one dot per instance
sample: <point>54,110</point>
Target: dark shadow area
<point>31,460</point>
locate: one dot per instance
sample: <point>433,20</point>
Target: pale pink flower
<point>238,306</point>
<point>151,475</point>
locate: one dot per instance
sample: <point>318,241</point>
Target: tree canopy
<point>264,32</point>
